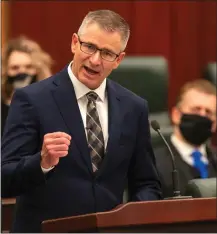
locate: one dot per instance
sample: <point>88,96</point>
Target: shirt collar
<point>81,90</point>
<point>186,149</point>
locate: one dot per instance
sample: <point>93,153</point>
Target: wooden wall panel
<point>4,21</point>
<point>184,32</point>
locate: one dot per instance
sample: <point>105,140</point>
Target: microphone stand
<point>175,174</point>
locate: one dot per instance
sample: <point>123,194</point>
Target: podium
<point>181,215</point>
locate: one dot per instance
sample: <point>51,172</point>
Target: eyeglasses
<point>89,48</point>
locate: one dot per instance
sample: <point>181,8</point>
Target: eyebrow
<point>208,110</point>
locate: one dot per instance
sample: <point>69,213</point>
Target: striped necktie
<point>94,132</point>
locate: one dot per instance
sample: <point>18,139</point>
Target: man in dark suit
<point>194,120</point>
<point>73,140</point>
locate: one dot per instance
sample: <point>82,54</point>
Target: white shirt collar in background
<point>185,150</point>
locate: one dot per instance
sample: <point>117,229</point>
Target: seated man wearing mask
<point>194,120</point>
<point>23,63</point>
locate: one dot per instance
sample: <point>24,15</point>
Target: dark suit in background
<point>186,171</point>
<point>71,188</point>
<point>4,114</point>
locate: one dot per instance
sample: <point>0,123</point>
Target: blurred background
<point>183,32</point>
<point>171,42</point>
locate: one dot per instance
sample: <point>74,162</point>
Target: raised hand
<point>55,146</point>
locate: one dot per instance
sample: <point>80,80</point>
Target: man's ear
<point>119,59</point>
<point>175,115</point>
<point>74,42</point>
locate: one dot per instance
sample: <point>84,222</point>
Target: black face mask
<point>195,129</point>
<point>21,80</point>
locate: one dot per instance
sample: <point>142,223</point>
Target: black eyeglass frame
<point>100,50</point>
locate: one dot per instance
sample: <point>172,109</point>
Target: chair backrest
<point>201,188</point>
<point>147,77</point>
<point>210,72</point>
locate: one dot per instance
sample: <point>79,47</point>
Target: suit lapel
<point>186,172</point>
<point>114,121</point>
<point>211,155</point>
<point>66,101</point>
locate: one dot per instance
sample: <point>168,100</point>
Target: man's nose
<point>95,58</point>
<point>22,69</point>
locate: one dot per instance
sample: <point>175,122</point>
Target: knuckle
<point>65,148</point>
<point>45,136</point>
<point>65,153</point>
<point>46,141</point>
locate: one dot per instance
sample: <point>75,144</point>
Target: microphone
<point>175,175</point>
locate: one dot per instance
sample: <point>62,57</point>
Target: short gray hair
<point>109,21</point>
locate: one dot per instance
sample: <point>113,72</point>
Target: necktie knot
<point>92,96</point>
<point>196,155</point>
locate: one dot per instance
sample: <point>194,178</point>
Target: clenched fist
<point>55,146</point>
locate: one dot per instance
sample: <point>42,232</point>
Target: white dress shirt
<point>185,150</point>
<point>101,104</point>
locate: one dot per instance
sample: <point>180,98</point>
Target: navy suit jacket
<point>71,188</point>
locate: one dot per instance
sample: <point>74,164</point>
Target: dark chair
<point>210,72</point>
<point>198,188</point>
<point>147,77</point>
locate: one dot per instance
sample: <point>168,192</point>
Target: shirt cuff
<point>45,171</point>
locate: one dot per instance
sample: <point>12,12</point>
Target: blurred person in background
<point>23,63</point>
<point>194,121</point>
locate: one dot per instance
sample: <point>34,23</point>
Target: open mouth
<point>90,71</point>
